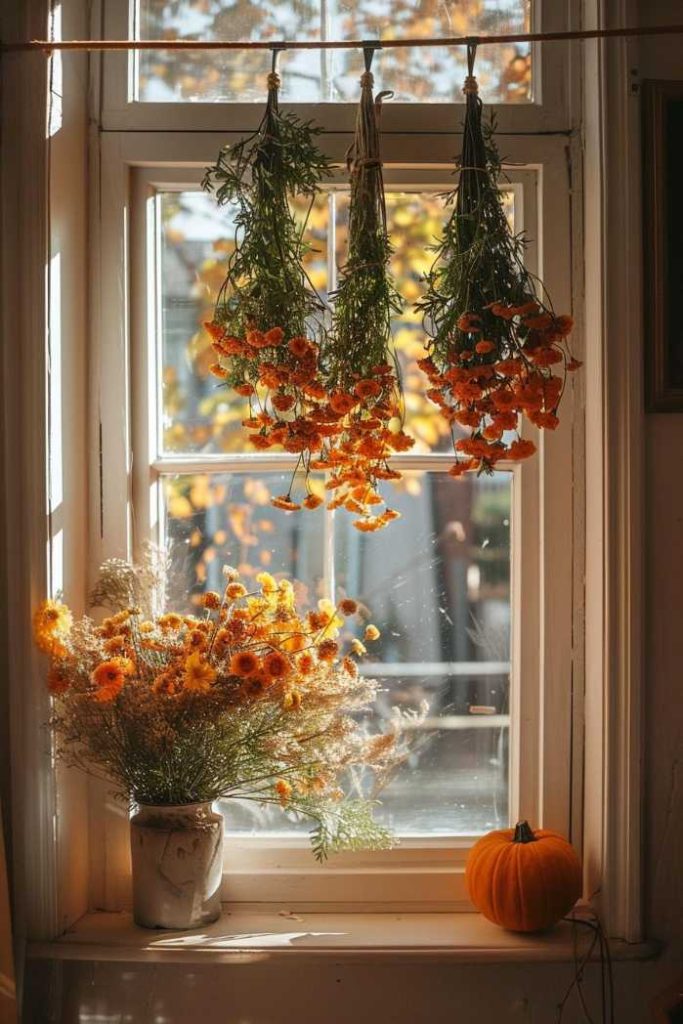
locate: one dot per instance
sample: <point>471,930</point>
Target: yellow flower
<point>332,620</point>
<point>171,621</point>
<point>292,700</point>
<point>235,591</point>
<point>51,618</point>
<point>358,648</point>
<point>372,633</point>
<point>266,582</point>
<point>198,676</point>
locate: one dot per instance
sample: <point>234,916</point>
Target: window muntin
<point>437,583</point>
<point>428,74</point>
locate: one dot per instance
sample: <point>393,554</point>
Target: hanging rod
<point>329,44</point>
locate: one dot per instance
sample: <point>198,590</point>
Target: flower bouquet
<point>250,700</point>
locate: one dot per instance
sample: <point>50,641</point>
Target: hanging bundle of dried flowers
<point>268,321</point>
<point>496,350</point>
<point>363,411</point>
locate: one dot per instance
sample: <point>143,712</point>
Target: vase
<point>177,853</point>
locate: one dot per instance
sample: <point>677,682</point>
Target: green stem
<point>523,833</point>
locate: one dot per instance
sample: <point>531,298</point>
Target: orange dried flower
<point>328,650</point>
<point>198,676</point>
<point>283,402</point>
<point>284,791</point>
<point>244,664</point>
<point>341,402</point>
<point>484,347</point>
<point>284,502</point>
<point>276,665</point>
<point>312,501</point>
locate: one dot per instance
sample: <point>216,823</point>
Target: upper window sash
<point>549,109</point>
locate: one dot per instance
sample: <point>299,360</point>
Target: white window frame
<point>419,874</point>
<point>51,881</point>
<point>549,109</point>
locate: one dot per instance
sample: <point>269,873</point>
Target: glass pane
<point>431,74</point>
<point>198,413</point>
<point>212,520</point>
<point>437,585</point>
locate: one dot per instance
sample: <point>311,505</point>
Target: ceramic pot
<point>177,854</point>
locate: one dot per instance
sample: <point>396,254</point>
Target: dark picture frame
<point>663,244</point>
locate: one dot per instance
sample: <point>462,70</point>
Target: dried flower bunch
<point>268,320</point>
<point>333,399</point>
<point>495,347</point>
<point>365,399</point>
<point>251,700</point>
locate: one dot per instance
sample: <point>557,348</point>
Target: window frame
<point>418,874</point>
<point>549,109</point>
<point>51,882</point>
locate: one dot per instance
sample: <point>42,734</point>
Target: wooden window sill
<point>244,936</point>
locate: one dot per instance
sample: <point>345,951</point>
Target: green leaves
<point>366,297</point>
<point>266,284</point>
<point>479,260</point>
<point>348,825</point>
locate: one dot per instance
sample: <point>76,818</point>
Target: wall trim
<point>614,508</point>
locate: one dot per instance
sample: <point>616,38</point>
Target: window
<point>195,90</point>
<point>327,76</point>
<point>437,584</point>
<point>461,586</point>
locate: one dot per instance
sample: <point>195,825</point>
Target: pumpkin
<point>523,880</point>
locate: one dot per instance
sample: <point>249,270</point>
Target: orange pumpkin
<point>523,880</point>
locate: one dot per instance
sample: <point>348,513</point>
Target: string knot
<point>471,86</point>
<point>367,80</point>
<point>273,80</point>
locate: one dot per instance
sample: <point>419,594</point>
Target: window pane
<point>198,414</point>
<point>431,74</point>
<point>438,587</point>
<point>437,584</point>
<point>212,520</point>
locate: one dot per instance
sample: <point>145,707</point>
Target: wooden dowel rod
<point>329,44</point>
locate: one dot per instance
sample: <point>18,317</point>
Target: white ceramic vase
<point>177,854</point>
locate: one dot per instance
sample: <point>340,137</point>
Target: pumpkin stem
<point>523,833</point>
